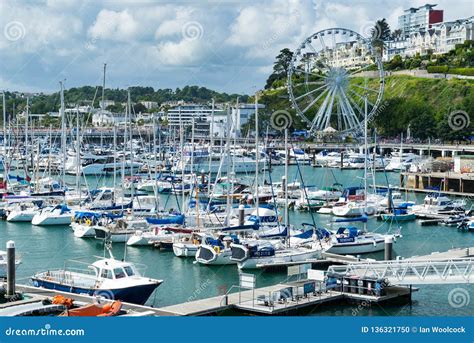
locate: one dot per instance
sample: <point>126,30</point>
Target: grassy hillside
<point>422,103</point>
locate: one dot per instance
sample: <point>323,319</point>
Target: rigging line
<point>307,199</point>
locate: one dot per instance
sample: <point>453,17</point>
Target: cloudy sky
<point>225,45</point>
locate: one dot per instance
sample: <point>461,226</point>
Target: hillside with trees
<point>85,95</point>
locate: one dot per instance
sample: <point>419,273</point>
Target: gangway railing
<point>411,272</point>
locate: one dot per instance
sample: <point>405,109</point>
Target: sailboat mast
<point>63,135</point>
<point>4,124</point>
<point>226,158</point>
<point>103,87</point>
<point>287,156</point>
<point>257,157</point>
<point>365,154</point>
<point>78,154</point>
<point>129,105</point>
<point>27,115</point>
<point>115,160</point>
<point>155,163</point>
<point>211,145</point>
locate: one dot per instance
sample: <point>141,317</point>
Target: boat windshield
<point>119,273</point>
<point>106,274</point>
<point>129,270</point>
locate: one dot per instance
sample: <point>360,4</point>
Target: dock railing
<point>285,297</point>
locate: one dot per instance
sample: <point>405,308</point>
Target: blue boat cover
<point>362,218</point>
<point>353,231</point>
<point>178,219</point>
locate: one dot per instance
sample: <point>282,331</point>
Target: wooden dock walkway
<point>446,255</point>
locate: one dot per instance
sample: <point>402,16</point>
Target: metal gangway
<point>411,271</point>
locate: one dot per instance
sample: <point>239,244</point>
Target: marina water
<point>43,248</point>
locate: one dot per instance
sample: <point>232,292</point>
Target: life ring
<point>217,249</point>
<point>88,222</point>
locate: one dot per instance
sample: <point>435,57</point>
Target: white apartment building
<point>149,105</point>
<point>439,39</point>
<point>184,113</point>
<point>416,19</point>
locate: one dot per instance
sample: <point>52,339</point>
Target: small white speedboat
<point>352,241</point>
<point>57,215</point>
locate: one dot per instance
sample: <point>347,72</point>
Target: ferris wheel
<point>325,84</point>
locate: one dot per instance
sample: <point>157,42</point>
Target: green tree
<point>116,108</point>
<point>379,34</point>
<point>280,67</point>
<point>396,62</point>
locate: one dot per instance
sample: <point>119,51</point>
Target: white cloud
<point>115,26</point>
<point>74,37</point>
<point>184,52</point>
<point>30,29</point>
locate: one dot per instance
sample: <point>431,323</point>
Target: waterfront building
<point>106,103</point>
<point>107,118</point>
<point>184,113</point>
<point>149,105</point>
<point>439,38</point>
<point>417,19</point>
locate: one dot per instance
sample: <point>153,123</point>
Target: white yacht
<point>99,164</point>
<point>22,211</point>
<point>53,215</point>
<point>350,240</point>
<point>401,161</point>
<point>437,205</point>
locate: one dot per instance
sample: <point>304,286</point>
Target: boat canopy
<point>178,219</point>
<point>362,218</point>
<point>350,231</point>
<point>61,207</point>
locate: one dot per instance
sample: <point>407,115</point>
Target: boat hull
<point>21,216</point>
<point>357,248</point>
<point>254,263</point>
<point>185,250</point>
<point>399,217</point>
<point>83,231</point>
<point>42,220</point>
<point>207,255</point>
<point>136,294</point>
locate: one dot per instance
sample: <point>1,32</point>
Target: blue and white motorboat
<point>107,277</point>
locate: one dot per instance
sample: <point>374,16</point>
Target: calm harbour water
<point>43,248</point>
